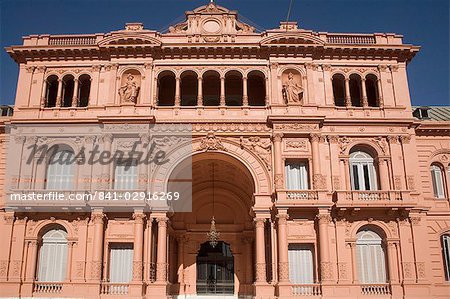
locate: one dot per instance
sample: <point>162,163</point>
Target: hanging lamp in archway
<point>213,235</point>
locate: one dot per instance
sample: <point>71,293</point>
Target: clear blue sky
<point>422,22</point>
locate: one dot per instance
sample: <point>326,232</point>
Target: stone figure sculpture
<point>129,91</point>
<point>292,92</point>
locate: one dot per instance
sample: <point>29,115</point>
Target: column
<point>59,94</point>
<point>32,260</point>
<point>69,260</point>
<point>181,240</point>
<point>260,252</point>
<point>421,243</point>
<point>177,91</point>
<point>364,92</point>
<point>278,161</point>
<point>222,91</point>
<point>384,174</point>
<point>248,249</point>
<point>328,84</point>
<point>380,94</point>
<point>348,100</point>
<point>138,217</point>
<point>326,269</point>
<point>310,77</point>
<point>355,279</point>
<point>95,81</point>
<point>245,92</point>
<point>283,261</point>
<point>318,181</point>
<point>105,179</point>
<point>155,91</point>
<point>161,259</point>
<point>75,93</point>
<point>267,98</point>
<point>200,92</point>
<point>345,171</point>
<point>392,261</point>
<point>97,255</point>
<point>147,249</point>
<point>43,94</point>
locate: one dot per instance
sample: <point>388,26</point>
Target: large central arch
<point>223,187</point>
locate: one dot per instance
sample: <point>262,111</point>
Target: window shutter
<point>437,180</point>
<point>446,255</point>
<point>60,174</point>
<point>301,264</point>
<point>121,263</point>
<point>53,256</point>
<point>125,176</point>
<point>370,258</point>
<point>296,176</point>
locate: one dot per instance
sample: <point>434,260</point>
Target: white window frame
<point>52,263</point>
<point>437,181</point>
<point>120,262</point>
<point>126,179</point>
<point>446,255</point>
<point>363,172</point>
<point>301,263</point>
<point>60,176</point>
<point>297,175</point>
<point>370,258</point>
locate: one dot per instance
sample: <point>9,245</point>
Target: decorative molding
<point>211,143</point>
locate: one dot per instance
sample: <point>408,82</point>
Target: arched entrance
<point>196,268</point>
<point>215,269</point>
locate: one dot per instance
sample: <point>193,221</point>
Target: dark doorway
<point>215,269</point>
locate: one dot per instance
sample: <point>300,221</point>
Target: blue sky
<point>422,22</point>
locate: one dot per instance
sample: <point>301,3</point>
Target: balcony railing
<point>110,288</point>
<point>351,39</point>
<point>72,40</point>
<point>303,197</point>
<point>306,290</point>
<point>372,198</point>
<point>375,289</point>
<point>47,287</point>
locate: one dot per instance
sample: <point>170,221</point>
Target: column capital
<point>323,218</point>
<point>97,217</point>
<point>277,137</point>
<point>139,217</point>
<point>162,221</point>
<point>259,221</point>
<point>282,218</point>
<point>315,137</point>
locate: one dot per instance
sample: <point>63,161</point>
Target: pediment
<point>291,39</point>
<point>129,39</point>
<point>211,8</point>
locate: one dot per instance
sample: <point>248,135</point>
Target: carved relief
<point>259,146</point>
<point>326,270</point>
<point>297,144</point>
<point>292,87</point>
<point>130,85</point>
<point>211,143</point>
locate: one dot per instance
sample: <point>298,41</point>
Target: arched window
<point>189,88</point>
<point>233,89</point>
<point>68,90</point>
<point>372,91</point>
<point>339,90</point>
<point>84,90</point>
<point>355,90</point>
<point>211,88</point>
<point>256,88</point>
<point>61,170</point>
<point>52,263</point>
<point>166,89</point>
<point>51,93</point>
<point>446,255</point>
<point>370,257</point>
<point>363,172</point>
<point>437,178</point>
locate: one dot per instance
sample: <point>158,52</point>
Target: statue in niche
<point>292,92</point>
<point>129,91</point>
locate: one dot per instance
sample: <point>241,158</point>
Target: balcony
<point>376,289</point>
<point>373,199</point>
<point>47,287</point>
<point>303,198</point>
<point>109,288</point>
<point>308,290</point>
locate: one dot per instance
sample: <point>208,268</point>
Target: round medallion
<point>211,26</point>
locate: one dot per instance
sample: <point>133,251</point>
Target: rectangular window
<point>301,263</point>
<point>296,176</point>
<point>125,176</point>
<point>438,183</point>
<point>446,255</point>
<point>121,262</point>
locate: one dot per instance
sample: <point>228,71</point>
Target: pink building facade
<point>304,148</point>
